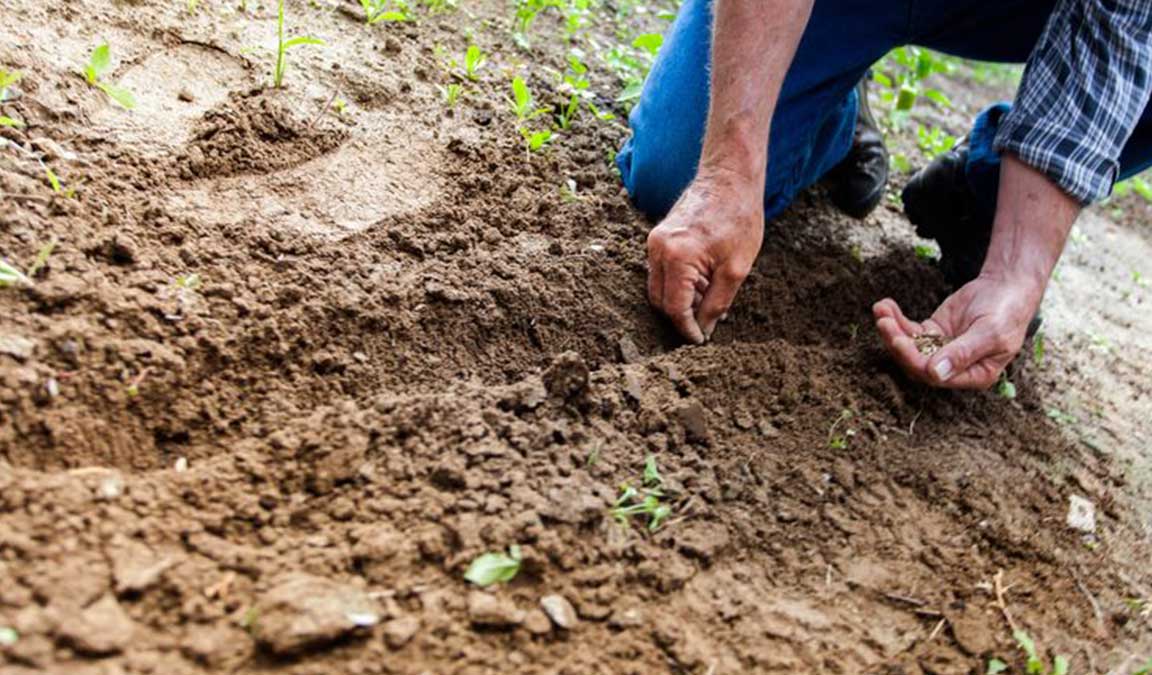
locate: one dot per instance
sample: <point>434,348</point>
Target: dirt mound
<point>287,372</point>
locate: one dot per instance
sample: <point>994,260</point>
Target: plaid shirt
<point>1084,89</point>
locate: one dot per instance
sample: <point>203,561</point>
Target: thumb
<point>959,363</point>
<point>718,298</point>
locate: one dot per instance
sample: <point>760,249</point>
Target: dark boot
<point>856,185</point>
<point>938,201</point>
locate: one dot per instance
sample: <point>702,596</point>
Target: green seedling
<point>284,45</point>
<point>9,122</point>
<point>494,568</point>
<point>995,666</point>
<point>522,102</point>
<point>839,440</point>
<point>1061,417</point>
<point>926,252</point>
<point>1005,388</point>
<point>451,94</point>
<point>41,258</point>
<point>647,502</point>
<point>535,141</point>
<point>376,11</point>
<point>98,64</point>
<point>8,636</point>
<point>7,79</point>
<point>568,112</point>
<point>933,142</point>
<point>649,42</point>
<point>10,276</point>
<point>1036,665</point>
<point>56,184</point>
<point>1038,348</point>
<point>474,59</point>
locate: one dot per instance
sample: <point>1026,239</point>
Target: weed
<point>839,441</point>
<point>1005,388</point>
<point>933,142</point>
<point>55,183</point>
<point>493,568</point>
<point>1135,184</point>
<point>594,455</point>
<point>474,59</point>
<point>652,477</point>
<point>9,122</point>
<point>282,47</point>
<point>98,64</point>
<point>568,113</point>
<point>1061,417</point>
<point>901,74</point>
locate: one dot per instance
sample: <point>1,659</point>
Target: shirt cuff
<point>1068,161</point>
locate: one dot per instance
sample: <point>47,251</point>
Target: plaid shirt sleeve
<point>1083,91</point>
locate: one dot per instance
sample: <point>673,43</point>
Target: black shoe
<point>856,184</point>
<point>938,201</point>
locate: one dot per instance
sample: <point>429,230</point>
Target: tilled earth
<point>289,370</point>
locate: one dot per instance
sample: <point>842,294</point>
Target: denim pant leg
<point>815,117</point>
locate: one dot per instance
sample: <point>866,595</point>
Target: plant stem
<point>279,75</point>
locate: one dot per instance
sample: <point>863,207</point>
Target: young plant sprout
<point>284,45</point>
<point>10,276</point>
<point>521,101</point>
<point>9,122</point>
<point>41,259</point>
<point>535,140</point>
<point>451,93</point>
<point>474,59</point>
<point>646,502</point>
<point>7,79</point>
<point>839,440</point>
<point>98,64</point>
<point>494,568</point>
<point>376,11</point>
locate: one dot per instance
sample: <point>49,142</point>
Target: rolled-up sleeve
<point>1084,89</point>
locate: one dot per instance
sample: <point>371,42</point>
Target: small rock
<point>304,611</point>
<point>185,96</point>
<point>628,618</point>
<point>629,352</point>
<point>489,611</point>
<point>399,632</point>
<point>102,628</point>
<point>1081,514</point>
<point>559,610</point>
<point>536,622</point>
<point>17,346</point>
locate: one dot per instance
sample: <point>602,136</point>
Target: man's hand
<point>702,252</point>
<point>988,318</point>
<point>984,322</point>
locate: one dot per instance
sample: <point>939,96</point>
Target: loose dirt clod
<point>102,628</point>
<point>487,610</point>
<point>303,611</point>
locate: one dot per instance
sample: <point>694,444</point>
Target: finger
<point>965,361</point>
<point>722,291</point>
<point>701,289</point>
<point>902,347</point>
<point>655,280</point>
<point>889,308</point>
<point>679,292</point>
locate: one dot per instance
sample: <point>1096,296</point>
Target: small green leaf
<point>99,63</point>
<point>9,122</point>
<point>996,666</point>
<point>1008,390</point>
<point>494,568</point>
<point>937,97</point>
<point>302,40</point>
<point>907,98</point>
<point>521,94</point>
<point>649,42</point>
<point>1060,665</point>
<point>652,477</point>
<point>123,98</point>
<point>389,16</point>
<point>53,180</point>
<point>8,636</point>
<point>10,276</point>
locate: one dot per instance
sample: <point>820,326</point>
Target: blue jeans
<point>816,114</point>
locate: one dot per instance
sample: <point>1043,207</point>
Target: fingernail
<point>943,369</point>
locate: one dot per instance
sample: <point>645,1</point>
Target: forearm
<point>1033,219</point>
<point>753,43</point>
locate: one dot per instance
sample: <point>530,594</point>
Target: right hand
<point>703,250</point>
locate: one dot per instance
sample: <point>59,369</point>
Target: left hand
<point>985,321</point>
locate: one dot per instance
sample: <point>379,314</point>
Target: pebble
<point>1081,514</point>
<point>101,629</point>
<point>559,610</point>
<point>485,609</point>
<point>536,622</point>
<point>304,611</point>
<point>17,346</point>
<point>399,632</point>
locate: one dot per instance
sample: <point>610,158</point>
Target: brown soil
<point>409,346</point>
